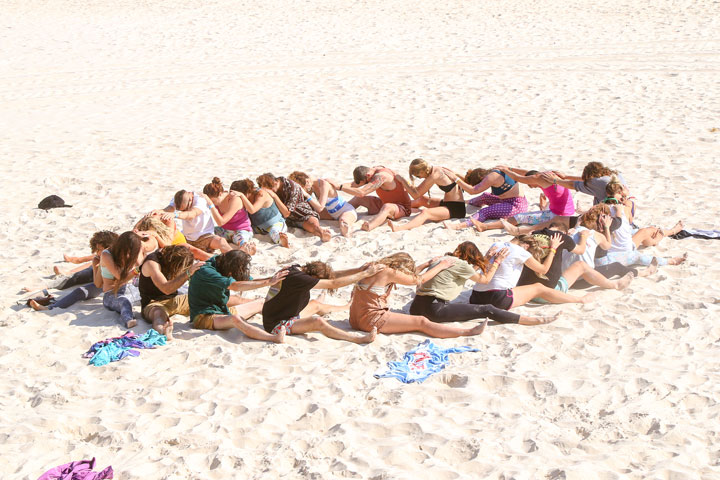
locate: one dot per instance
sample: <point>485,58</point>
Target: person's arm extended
<point>234,204</point>
<point>341,281</point>
<point>312,201</point>
<point>542,268</point>
<point>249,206</point>
<point>188,214</point>
<point>480,187</point>
<point>485,278</point>
<point>532,180</point>
<point>152,270</point>
<point>375,182</point>
<point>420,190</point>
<point>245,285</point>
<point>429,274</point>
<point>554,179</point>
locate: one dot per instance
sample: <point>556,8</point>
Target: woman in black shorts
<point>451,206</point>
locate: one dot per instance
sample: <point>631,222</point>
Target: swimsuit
<point>456,209</point>
<point>336,206</point>
<point>506,186</point>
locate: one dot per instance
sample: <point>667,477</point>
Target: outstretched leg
<point>226,322</point>
<point>402,323</point>
<point>388,210</point>
<point>312,225</point>
<point>522,295</point>
<point>429,214</point>
<point>593,277</point>
<point>315,323</point>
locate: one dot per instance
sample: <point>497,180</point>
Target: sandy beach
<point>115,106</point>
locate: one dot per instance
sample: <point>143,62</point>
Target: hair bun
<point>216,180</point>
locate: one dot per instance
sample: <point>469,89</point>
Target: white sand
<point>116,105</point>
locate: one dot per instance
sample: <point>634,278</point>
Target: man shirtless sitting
<point>392,200</point>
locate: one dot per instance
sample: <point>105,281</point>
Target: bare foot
<point>131,323</point>
<point>391,225</point>
<point>678,226</point>
<point>365,226</point>
<point>345,229</point>
<point>367,337</point>
<point>510,228</point>
<point>479,226</point>
<point>36,306</point>
<point>623,282</point>
<point>325,235</point>
<point>284,241</point>
<point>169,330</point>
<point>453,225</point>
<point>477,330</point>
<point>280,336</point>
<point>250,248</point>
<point>57,270</point>
<point>70,259</point>
<point>537,320</point>
<point>589,298</point>
<point>26,289</point>
<point>651,269</point>
<point>678,260</point>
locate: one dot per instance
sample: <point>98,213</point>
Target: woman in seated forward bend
<point>433,297</point>
<point>329,204</point>
<point>117,267</point>
<point>451,206</point>
<point>267,212</point>
<point>505,198</point>
<point>369,309</point>
<point>231,216</point>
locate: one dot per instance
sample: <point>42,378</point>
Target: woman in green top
<point>433,297</point>
<point>212,307</point>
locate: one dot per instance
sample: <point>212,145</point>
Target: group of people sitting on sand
<point>168,261</point>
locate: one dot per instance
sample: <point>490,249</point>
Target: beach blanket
<point>691,232</point>
<point>82,470</point>
<point>117,348</point>
<point>421,362</point>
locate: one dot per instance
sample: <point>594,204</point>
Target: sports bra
<point>104,272</point>
<point>507,184</point>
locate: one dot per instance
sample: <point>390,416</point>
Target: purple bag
<point>82,470</point>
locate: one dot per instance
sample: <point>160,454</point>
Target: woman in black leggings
<point>433,297</point>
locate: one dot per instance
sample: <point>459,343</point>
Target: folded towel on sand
<point>421,362</point>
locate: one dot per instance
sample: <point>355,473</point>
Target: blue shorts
<point>562,286</point>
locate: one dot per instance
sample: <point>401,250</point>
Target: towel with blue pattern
<point>421,362</point>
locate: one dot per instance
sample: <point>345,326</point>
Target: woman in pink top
<point>559,198</point>
<point>232,218</point>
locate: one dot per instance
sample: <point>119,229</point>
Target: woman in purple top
<point>560,200</point>
<point>232,219</point>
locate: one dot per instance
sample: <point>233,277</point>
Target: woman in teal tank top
<point>267,214</point>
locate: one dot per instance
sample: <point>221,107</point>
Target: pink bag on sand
<point>82,470</point>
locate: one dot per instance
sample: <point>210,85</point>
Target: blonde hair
<point>417,167</point>
<point>401,261</point>
<point>535,247</point>
<point>153,223</point>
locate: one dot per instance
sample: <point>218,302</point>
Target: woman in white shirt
<point>502,291</point>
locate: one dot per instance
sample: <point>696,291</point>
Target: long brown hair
<point>301,178</point>
<point>246,187</point>
<point>266,180</point>
<point>469,252</point>
<point>590,218</point>
<point>174,259</point>
<point>125,252</point>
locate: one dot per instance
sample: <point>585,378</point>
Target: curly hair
<point>301,178</point>
<point>319,270</point>
<point>595,170</point>
<point>590,218</point>
<point>401,261</point>
<point>469,252</point>
<point>174,259</point>
<point>235,264</point>
<point>102,240</point>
